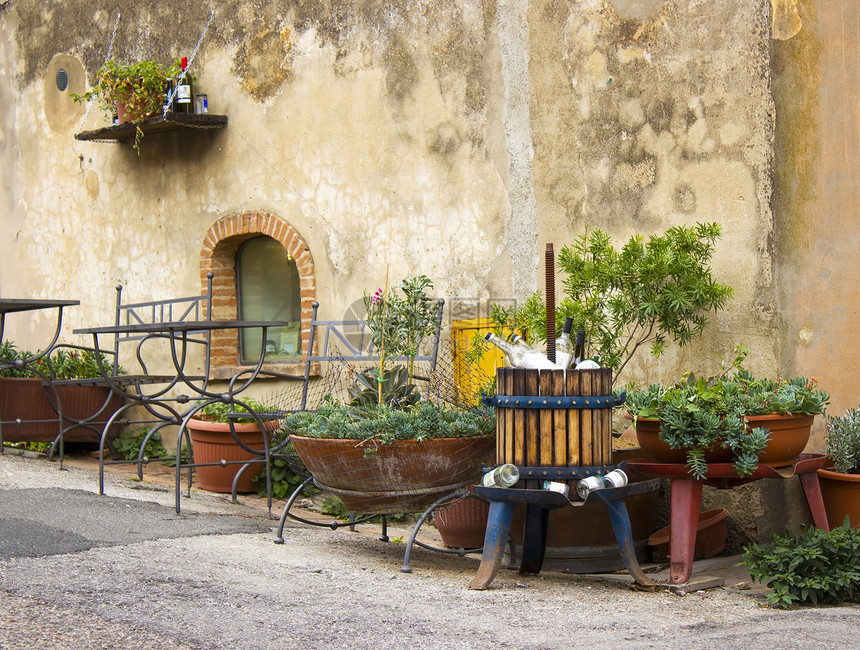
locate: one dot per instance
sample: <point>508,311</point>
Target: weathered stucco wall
<point>817,196</point>
<point>449,138</point>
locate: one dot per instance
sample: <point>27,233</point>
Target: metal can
<point>588,485</point>
<point>202,105</point>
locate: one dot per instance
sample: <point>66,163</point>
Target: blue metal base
<point>537,504</point>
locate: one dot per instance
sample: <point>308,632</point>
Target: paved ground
<point>78,570</point>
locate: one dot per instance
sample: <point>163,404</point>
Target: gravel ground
<point>333,589</point>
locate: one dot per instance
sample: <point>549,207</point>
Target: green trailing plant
<point>643,295</point>
<point>140,87</point>
<point>698,413</point>
<point>382,425</point>
<point>127,444</point>
<point>288,472</point>
<point>815,567</point>
<point>393,389</point>
<point>843,441</point>
<point>399,319</point>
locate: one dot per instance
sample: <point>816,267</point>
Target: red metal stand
<point>686,497</point>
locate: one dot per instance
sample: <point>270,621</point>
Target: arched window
<point>267,283</point>
<point>280,247</point>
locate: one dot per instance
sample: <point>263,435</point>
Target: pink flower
<point>377,297</point>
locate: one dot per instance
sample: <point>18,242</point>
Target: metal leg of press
<point>620,519</point>
<point>685,503</point>
<point>498,528</point>
<point>812,491</point>
<point>534,538</point>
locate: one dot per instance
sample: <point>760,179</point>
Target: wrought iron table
<point>686,497</point>
<point>171,410</point>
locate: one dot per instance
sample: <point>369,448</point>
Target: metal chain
<point>107,58</point>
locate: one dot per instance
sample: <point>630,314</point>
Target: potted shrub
<point>640,296</point>
<point>131,91</point>
<point>840,484</point>
<point>215,438</point>
<point>28,406</point>
<point>731,417</point>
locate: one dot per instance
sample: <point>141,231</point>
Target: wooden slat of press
<point>559,425</point>
<point>510,429</point>
<point>606,429</point>
<point>547,439</point>
<point>533,426</point>
<point>519,421</point>
<point>574,420</point>
<point>500,418</point>
<point>587,423</point>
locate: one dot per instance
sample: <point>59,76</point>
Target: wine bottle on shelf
<point>563,346</point>
<point>519,357</point>
<point>579,349</point>
<point>183,101</point>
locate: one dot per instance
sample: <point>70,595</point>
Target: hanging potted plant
<point>133,92</point>
<point>840,483</point>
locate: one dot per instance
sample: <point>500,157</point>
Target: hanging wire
<point>107,58</point>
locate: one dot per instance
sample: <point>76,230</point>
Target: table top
<point>179,326</point>
<point>8,305</point>
<point>726,472</point>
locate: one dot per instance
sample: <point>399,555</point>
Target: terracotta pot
<point>406,476</point>
<point>711,536</point>
<point>213,442</point>
<point>27,400</point>
<point>463,524</point>
<point>648,435</point>
<point>788,437</point>
<point>841,493</point>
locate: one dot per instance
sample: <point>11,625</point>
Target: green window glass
<point>268,289</point>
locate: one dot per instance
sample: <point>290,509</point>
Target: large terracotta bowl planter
<point>648,435</point>
<point>406,476</point>
<point>711,534</point>
<point>841,494</point>
<point>26,399</point>
<point>463,524</point>
<point>788,438</point>
<point>213,442</point>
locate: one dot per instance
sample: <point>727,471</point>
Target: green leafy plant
<point>288,472</point>
<point>399,319</point>
<point>64,363</point>
<point>127,444</point>
<point>815,567</point>
<point>642,295</point>
<point>140,87</point>
<point>219,411</point>
<point>380,425</point>
<point>393,389</point>
<point>698,413</point>
<point>843,441</point>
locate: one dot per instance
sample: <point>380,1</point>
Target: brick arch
<point>218,255</point>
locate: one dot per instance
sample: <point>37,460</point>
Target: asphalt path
<point>79,570</point>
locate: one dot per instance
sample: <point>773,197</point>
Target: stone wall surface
<point>453,138</point>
